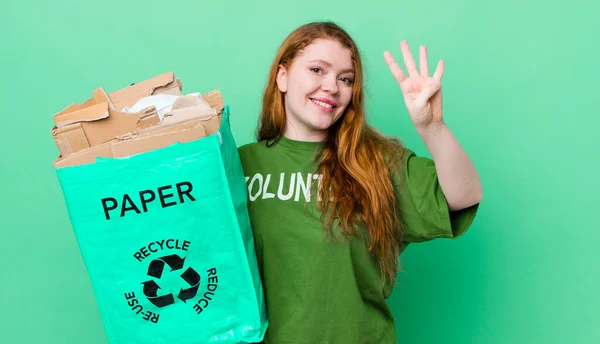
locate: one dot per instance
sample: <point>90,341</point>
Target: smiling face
<point>317,88</point>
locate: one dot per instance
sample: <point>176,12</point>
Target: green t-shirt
<point>319,290</point>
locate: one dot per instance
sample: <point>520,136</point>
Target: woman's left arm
<point>456,172</point>
<point>422,94</point>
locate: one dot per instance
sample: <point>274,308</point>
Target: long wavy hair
<point>355,160</point>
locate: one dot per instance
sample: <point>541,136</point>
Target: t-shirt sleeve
<point>423,207</point>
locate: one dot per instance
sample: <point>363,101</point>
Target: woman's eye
<point>316,69</point>
<point>347,80</point>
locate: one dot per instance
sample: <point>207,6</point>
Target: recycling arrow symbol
<point>155,269</point>
<point>150,290</point>
<point>156,266</point>
<point>193,279</point>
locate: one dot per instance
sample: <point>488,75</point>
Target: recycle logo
<point>155,269</point>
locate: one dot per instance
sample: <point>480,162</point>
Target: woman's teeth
<point>323,104</point>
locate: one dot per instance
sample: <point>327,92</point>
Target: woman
<point>332,202</point>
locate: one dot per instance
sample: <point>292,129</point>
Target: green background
<point>520,92</point>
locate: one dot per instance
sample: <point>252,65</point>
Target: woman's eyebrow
<point>329,65</point>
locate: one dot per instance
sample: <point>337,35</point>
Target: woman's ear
<point>282,79</point>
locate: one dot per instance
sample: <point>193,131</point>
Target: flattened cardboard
<point>215,100</point>
<point>178,132</point>
<point>97,127</point>
<point>188,113</point>
<point>149,120</point>
<point>118,123</point>
<point>212,124</point>
<point>190,101</point>
<point>100,123</point>
<point>93,109</point>
<point>185,108</point>
<point>168,128</point>
<point>128,96</point>
<point>87,156</point>
<point>151,142</point>
<point>70,139</point>
<point>75,107</point>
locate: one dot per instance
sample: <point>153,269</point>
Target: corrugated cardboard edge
<point>147,143</point>
<point>84,157</point>
<point>128,96</point>
<point>184,114</point>
<point>179,130</point>
<point>91,113</point>
<point>215,100</point>
<point>165,83</point>
<point>70,138</point>
<point>93,109</point>
<point>161,129</point>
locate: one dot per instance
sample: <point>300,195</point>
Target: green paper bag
<point>167,243</point>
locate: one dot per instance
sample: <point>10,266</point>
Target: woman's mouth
<point>323,106</point>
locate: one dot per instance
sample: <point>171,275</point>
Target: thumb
<point>426,93</point>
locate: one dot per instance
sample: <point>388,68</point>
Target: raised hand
<point>422,93</point>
